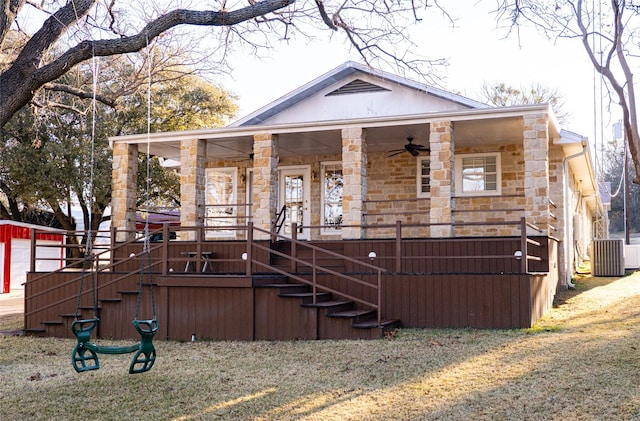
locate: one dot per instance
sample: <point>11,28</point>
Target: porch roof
<point>471,126</point>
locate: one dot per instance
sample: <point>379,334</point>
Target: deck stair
<point>119,311</point>
<point>302,318</point>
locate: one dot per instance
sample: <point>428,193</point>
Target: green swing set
<point>84,356</point>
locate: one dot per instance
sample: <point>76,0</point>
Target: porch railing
<point>172,252</point>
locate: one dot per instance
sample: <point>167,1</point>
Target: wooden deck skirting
<point>439,283</point>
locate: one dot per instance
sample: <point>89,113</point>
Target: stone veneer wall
<point>391,192</point>
<point>125,182</point>
<point>265,186</point>
<point>392,195</point>
<point>441,142</point>
<point>192,185</point>
<point>509,205</point>
<point>354,192</point>
<point>536,170</point>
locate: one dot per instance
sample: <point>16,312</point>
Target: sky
<point>476,48</point>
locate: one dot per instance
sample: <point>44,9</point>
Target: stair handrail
<point>279,220</point>
<point>377,305</point>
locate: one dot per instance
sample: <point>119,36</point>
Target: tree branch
<point>19,83</point>
<point>58,87</point>
<point>10,9</point>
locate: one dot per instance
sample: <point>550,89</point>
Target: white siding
<point>398,100</point>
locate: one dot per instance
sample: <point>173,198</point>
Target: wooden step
<point>307,297</point>
<point>332,305</point>
<point>36,331</point>
<point>110,300</point>
<point>52,322</point>
<point>129,292</point>
<point>268,279</point>
<point>288,288</point>
<point>356,315</point>
<point>385,324</point>
<point>86,308</point>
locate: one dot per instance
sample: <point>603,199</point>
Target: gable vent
<point>357,87</point>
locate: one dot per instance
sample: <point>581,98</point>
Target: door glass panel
<point>293,202</point>
<point>333,186</point>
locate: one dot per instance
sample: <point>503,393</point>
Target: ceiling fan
<point>410,147</point>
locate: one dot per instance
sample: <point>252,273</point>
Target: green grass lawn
<point>581,361</point>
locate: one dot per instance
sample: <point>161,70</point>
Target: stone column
<point>265,182</point>
<point>536,170</point>
<point>354,171</point>
<point>192,185</point>
<point>124,178</point>
<point>441,178</point>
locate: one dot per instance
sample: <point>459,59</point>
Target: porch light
<point>244,256</point>
<point>517,254</point>
<point>372,255</point>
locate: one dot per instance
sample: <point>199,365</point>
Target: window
<point>220,200</point>
<point>478,174</point>
<point>424,179</point>
<point>332,184</point>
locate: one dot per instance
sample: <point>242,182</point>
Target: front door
<point>294,197</point>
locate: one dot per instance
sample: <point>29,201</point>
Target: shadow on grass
<point>584,283</point>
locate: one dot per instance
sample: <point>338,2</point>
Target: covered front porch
<point>327,175</point>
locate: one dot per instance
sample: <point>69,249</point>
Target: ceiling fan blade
<point>394,153</point>
<point>414,152</point>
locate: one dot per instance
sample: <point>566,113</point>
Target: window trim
<point>419,192</point>
<point>233,171</point>
<point>458,175</point>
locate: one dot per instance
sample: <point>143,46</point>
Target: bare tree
<point>501,95</point>
<point>77,30</point>
<point>608,32</point>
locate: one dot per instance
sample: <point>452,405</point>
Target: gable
<point>353,91</point>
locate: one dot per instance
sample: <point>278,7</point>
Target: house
<point>422,207</point>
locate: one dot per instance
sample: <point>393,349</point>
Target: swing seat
<point>83,357</point>
<point>145,356</point>
<point>85,354</point>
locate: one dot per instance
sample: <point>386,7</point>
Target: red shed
<point>15,252</point>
